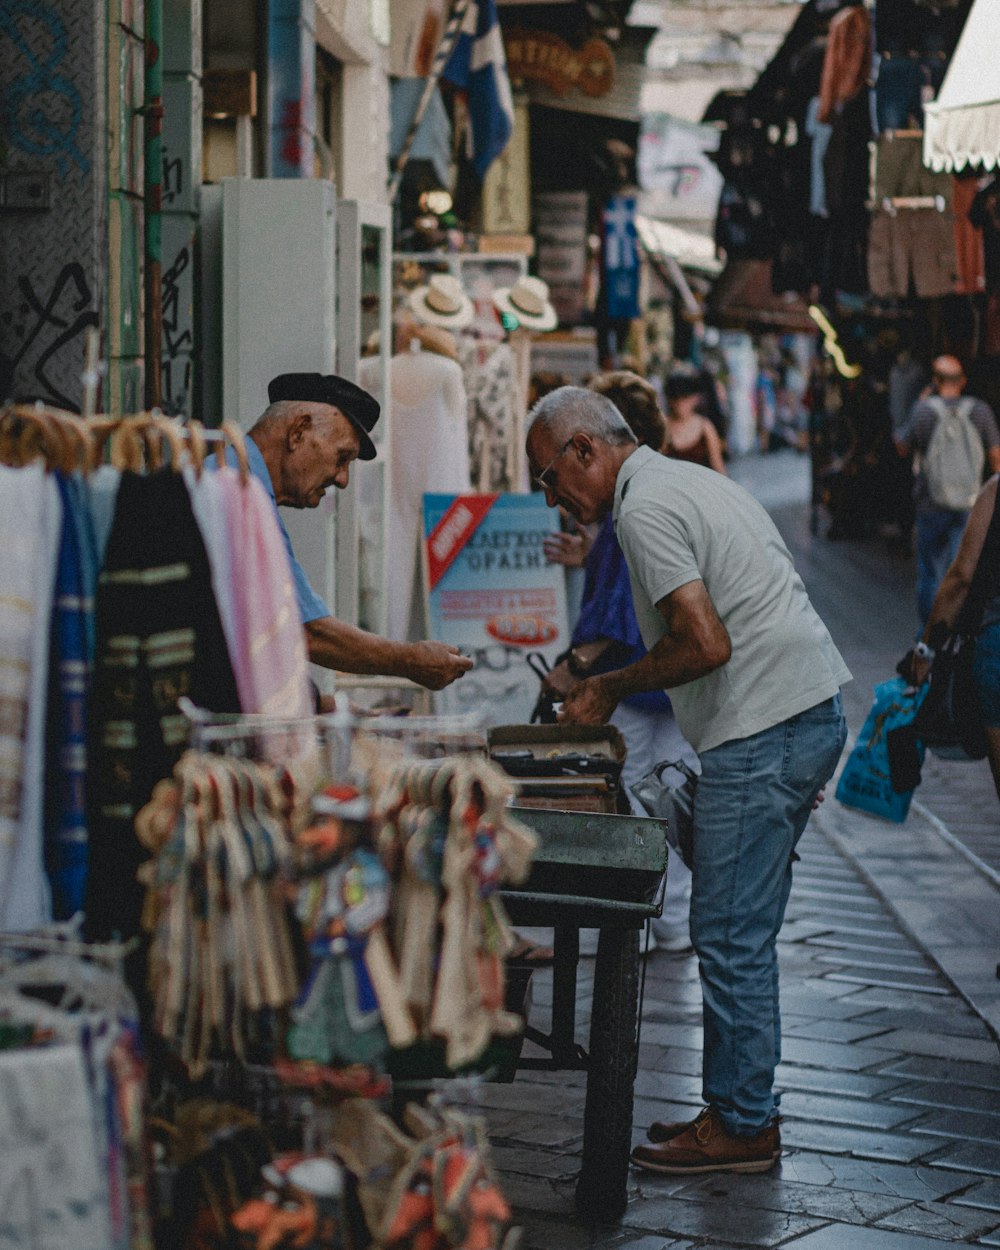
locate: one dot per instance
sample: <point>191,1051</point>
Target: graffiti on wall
<point>45,325</point>
<point>178,339</point>
<point>42,108</point>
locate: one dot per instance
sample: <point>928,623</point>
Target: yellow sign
<point>544,57</point>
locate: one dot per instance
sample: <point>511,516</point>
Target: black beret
<point>360,408</point>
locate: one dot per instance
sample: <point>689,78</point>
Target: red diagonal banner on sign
<point>464,516</point>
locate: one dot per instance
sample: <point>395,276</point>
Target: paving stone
<point>850,1057</point>
<point>796,1001</point>
<point>981,1157</point>
<point>941,1017</point>
<point>775,1193</point>
<point>718,1223</point>
<point>652,1243</point>
<point>938,1094</point>
<point>967,1125</point>
<point>849,978</point>
<point>521,1160</point>
<point>985,1195</point>
<point>874,1176</point>
<point>671,1086</point>
<point>540,1195</point>
<point>929,1068</point>
<point>847,1237</point>
<point>848,1084</point>
<point>830,1030</point>
<point>834,1138</point>
<point>861,997</point>
<point>852,1111</point>
<point>900,951</point>
<point>940,1219</point>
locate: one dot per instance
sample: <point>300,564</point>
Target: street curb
<point>935,893</point>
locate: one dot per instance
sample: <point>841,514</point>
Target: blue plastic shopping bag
<point>866,782</point>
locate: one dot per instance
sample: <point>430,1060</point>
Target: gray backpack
<point>954,459</point>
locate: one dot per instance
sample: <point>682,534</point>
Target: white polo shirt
<point>679,522</point>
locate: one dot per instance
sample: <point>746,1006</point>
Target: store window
<point>329,104</point>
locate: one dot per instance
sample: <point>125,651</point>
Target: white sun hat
<point>442,302</point>
<point>528,301</point>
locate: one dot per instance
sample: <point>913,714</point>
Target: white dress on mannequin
<point>430,454</point>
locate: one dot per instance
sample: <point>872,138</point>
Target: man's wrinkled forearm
<point>335,644</point>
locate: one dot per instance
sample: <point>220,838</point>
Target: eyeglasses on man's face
<point>545,478</point>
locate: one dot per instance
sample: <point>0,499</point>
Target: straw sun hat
<point>528,301</point>
<point>442,302</point>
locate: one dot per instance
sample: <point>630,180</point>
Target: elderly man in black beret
<point>315,427</point>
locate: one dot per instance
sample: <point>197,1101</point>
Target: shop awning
<point>689,248</point>
<point>962,127</point>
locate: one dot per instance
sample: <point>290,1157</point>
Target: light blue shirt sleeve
<point>311,606</point>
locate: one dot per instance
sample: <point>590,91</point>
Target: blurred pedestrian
<point>754,679</point>
<point>690,435</point>
<point>948,603</point>
<point>939,525</point>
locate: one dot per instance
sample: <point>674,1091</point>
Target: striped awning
<point>962,127</point>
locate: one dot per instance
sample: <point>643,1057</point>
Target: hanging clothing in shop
<point>30,524</point>
<point>254,592</point>
<point>845,169</point>
<point>912,245</point>
<point>819,132</point>
<point>158,637</point>
<point>268,646</point>
<point>969,259</point>
<point>899,170</point>
<point>71,629</point>
<point>848,60</point>
<point>53,1187</point>
<point>429,454</point>
<point>490,386</point>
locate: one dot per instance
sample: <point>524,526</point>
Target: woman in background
<point>690,435</point>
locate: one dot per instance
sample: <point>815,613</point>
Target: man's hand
<point>588,703</point>
<point>559,680</point>
<point>435,664</point>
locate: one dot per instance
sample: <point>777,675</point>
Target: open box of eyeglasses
<point>565,767</point>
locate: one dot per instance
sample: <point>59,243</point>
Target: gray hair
<point>573,410</point>
<point>277,415</point>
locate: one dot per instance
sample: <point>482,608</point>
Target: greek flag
<point>478,66</point>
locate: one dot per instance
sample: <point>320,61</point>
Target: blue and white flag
<point>621,258</point>
<point>478,66</point>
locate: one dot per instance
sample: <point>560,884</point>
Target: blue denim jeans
<point>753,799</point>
<point>986,674</point>
<point>938,534</point>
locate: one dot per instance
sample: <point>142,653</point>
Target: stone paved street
<point>891,1070</point>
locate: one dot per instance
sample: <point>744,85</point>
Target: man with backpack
<point>956,441</point>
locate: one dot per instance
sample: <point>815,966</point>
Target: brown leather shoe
<point>705,1145</point>
<point>664,1130</point>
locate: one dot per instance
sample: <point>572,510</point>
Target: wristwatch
<point>577,665</point>
<point>923,652</point>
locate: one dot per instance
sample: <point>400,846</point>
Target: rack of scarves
<point>134,573</point>
<point>313,935</point>
<point>74,1164</point>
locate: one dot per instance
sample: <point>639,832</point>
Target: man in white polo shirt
<point>754,679</point>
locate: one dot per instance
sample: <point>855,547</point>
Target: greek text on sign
<point>544,57</point>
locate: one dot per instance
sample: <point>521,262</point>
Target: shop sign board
<point>561,248</point>
<point>679,180</point>
<point>506,187</point>
<point>542,56</point>
<point>492,593</point>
